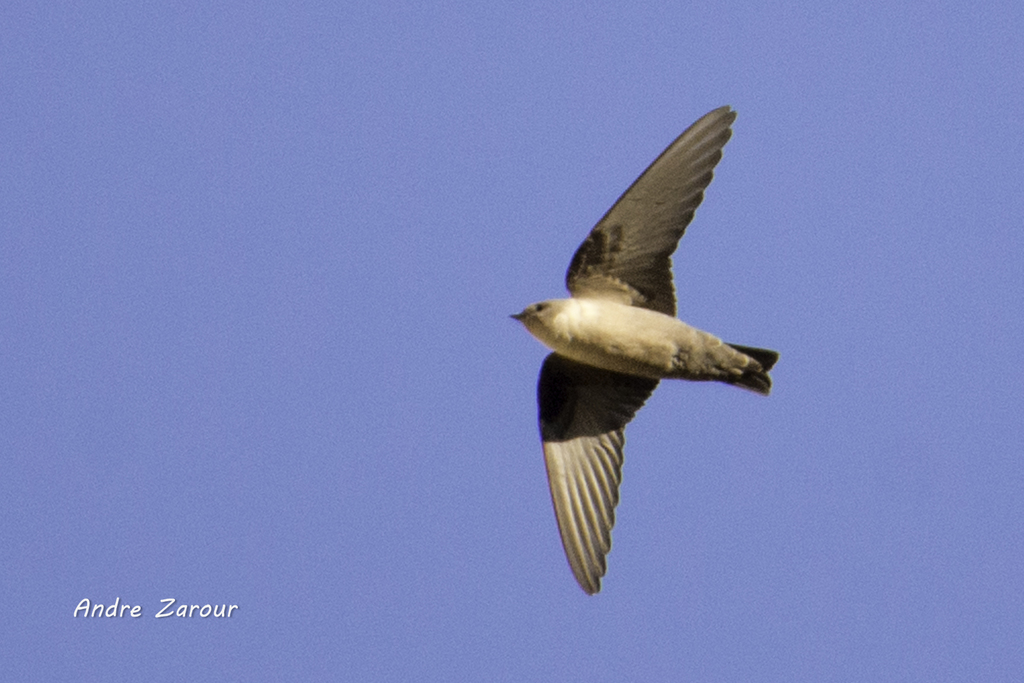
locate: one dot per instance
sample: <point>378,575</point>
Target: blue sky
<point>256,266</point>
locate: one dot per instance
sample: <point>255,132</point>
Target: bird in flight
<point>618,335</point>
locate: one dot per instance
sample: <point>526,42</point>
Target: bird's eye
<point>541,307</point>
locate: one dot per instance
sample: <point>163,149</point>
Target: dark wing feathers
<point>583,413</point>
<point>627,255</point>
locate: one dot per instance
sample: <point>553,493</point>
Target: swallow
<point>617,336</point>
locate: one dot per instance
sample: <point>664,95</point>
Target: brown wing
<point>628,254</point>
<point>583,414</point>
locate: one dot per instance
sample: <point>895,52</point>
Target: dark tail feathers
<point>757,379</point>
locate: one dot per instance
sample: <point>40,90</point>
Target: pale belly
<point>638,341</point>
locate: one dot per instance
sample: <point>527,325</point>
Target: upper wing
<point>627,256</point>
<point>583,413</point>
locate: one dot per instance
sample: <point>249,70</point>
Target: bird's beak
<point>517,316</point>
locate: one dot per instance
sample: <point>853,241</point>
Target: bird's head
<point>542,319</point>
<point>535,313</point>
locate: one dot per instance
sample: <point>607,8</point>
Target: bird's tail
<point>756,376</point>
